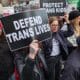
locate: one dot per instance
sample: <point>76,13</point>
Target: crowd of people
<point>56,58</point>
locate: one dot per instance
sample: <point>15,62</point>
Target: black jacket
<point>61,37</point>
<point>72,66</point>
<point>31,69</point>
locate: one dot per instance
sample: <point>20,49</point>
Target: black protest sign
<point>21,28</point>
<point>54,7</point>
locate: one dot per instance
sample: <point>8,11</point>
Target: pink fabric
<point>17,77</point>
<point>1,26</point>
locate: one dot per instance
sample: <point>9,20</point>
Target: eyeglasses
<point>55,25</point>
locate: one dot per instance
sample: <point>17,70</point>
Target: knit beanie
<point>74,14</point>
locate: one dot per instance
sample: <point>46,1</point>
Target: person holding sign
<point>56,47</point>
<point>33,66</point>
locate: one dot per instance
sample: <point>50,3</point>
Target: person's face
<point>54,26</point>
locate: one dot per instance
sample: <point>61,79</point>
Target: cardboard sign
<point>54,7</point>
<point>21,28</point>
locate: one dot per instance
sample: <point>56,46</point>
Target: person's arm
<point>27,72</point>
<point>69,32</point>
<point>23,64</point>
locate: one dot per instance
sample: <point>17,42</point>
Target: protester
<point>72,66</point>
<point>74,17</point>
<point>71,69</point>
<point>33,65</point>
<point>6,58</point>
<point>55,47</point>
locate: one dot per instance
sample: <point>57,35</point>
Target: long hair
<point>76,25</point>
